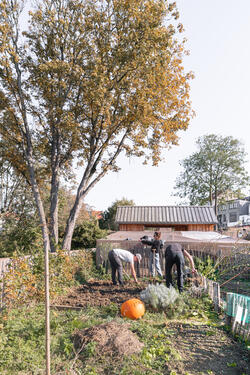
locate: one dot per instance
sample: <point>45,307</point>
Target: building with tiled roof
<point>178,218</point>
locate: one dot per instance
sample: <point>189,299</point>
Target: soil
<point>100,293</point>
<point>206,350</point>
<point>112,339</point>
<point>203,349</point>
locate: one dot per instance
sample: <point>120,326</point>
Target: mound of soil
<point>112,339</point>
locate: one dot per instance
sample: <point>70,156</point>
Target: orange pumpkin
<point>133,309</point>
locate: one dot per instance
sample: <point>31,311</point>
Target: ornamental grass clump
<point>161,298</point>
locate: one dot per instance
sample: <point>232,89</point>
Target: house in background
<point>192,226</point>
<point>177,218</point>
<point>234,213</point>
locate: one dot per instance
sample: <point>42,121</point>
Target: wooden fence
<point>236,307</point>
<point>225,253</point>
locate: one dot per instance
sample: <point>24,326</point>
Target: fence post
<point>216,296</point>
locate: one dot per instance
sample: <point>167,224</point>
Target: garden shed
<point>177,218</point>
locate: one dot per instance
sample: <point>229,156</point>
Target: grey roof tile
<point>165,215</point>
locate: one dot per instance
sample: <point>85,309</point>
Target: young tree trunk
<point>53,224</point>
<point>46,245</point>
<point>55,167</point>
<point>28,149</point>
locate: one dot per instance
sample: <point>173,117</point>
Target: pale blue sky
<point>218,33</point>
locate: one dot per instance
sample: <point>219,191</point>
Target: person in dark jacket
<point>174,254</point>
<point>154,257</point>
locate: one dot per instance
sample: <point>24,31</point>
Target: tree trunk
<point>71,223</point>
<point>53,224</point>
<point>211,197</point>
<point>82,191</point>
<point>215,203</point>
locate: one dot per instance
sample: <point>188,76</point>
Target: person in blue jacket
<point>154,257</point>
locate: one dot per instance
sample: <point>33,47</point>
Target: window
<point>233,217</point>
<point>233,205</point>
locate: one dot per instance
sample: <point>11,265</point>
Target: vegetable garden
<point>89,336</point>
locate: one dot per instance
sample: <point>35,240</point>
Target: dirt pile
<point>111,338</point>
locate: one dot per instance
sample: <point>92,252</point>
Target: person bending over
<point>116,257</point>
<point>174,254</point>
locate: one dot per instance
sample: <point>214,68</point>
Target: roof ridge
<point>169,205</point>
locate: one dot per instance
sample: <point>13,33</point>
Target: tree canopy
<point>108,219</point>
<point>216,168</point>
<point>86,81</point>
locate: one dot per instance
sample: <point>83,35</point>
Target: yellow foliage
<point>24,279</point>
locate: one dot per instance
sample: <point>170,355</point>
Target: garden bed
<point>194,345</point>
<point>99,293</point>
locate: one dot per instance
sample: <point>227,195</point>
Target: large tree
<point>88,80</point>
<point>216,168</point>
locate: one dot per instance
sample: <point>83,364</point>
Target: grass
<point>22,337</point>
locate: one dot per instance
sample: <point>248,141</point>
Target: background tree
<point>88,80</point>
<point>15,194</point>
<point>19,228</point>
<point>86,234</point>
<point>108,216</point>
<point>217,167</point>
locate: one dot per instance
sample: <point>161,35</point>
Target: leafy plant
<point>164,299</point>
<point>206,267</point>
<point>86,234</point>
<point>20,234</point>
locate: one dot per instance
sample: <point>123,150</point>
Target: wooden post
<point>138,269</point>
<point>216,296</point>
<point>47,310</point>
<point>154,270</point>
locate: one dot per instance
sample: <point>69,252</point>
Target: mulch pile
<point>112,339</point>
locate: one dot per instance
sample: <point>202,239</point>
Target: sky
<point>217,33</point>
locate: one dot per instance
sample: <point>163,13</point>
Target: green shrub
<point>20,235</point>
<point>86,234</point>
<point>161,298</point>
<point>206,267</point>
